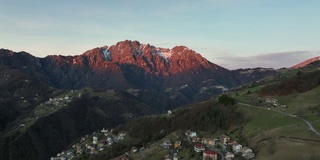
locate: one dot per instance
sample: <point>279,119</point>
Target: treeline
<point>301,82</point>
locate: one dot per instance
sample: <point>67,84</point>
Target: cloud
<point>269,60</point>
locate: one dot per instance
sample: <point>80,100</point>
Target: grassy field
<point>300,102</point>
<point>316,124</point>
<point>261,120</point>
<point>286,149</point>
<point>264,127</point>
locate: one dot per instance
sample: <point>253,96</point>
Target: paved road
<point>287,114</point>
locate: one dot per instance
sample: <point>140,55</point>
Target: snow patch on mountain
<point>107,55</point>
<point>164,53</point>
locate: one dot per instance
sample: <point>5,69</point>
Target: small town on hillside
<point>206,148</point>
<point>50,106</point>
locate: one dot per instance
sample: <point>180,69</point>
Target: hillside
<point>279,111</point>
<point>49,131</point>
<point>210,117</point>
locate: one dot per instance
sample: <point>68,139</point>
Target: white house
<point>94,140</point>
<point>104,131</point>
<point>229,156</point>
<point>236,147</point>
<point>192,134</point>
<point>245,150</point>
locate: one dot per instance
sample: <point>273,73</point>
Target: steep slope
<point>305,63</point>
<point>19,94</point>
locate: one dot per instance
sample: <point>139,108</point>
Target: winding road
<point>287,114</point>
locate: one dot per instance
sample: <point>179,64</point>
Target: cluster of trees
<point>301,82</point>
<point>226,100</point>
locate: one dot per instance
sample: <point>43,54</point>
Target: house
<point>82,139</point>
<point>109,140</point>
<point>224,139</point>
<point>208,154</point>
<point>177,144</point>
<point>249,155</point>
<point>236,147</point>
<point>245,150</point>
<point>199,147</point>
<point>104,131</point>
<point>208,141</point>
<point>271,100</point>
<point>190,134</point>
<point>134,149</point>
<point>284,106</point>
<point>166,143</point>
<point>169,112</point>
<point>121,136</point>
<point>175,156</point>
<point>94,140</point>
<point>229,156</point>
<point>101,144</point>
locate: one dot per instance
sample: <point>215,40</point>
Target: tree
<point>226,100</point>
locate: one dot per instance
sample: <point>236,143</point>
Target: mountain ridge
<point>306,62</point>
<point>126,60</point>
<point>133,65</point>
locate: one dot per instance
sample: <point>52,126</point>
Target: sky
<point>230,33</point>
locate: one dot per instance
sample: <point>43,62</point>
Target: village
<point>222,147</point>
<point>90,145</point>
<point>48,107</point>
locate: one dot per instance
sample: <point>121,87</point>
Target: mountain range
<point>130,64</point>
<point>119,82</point>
